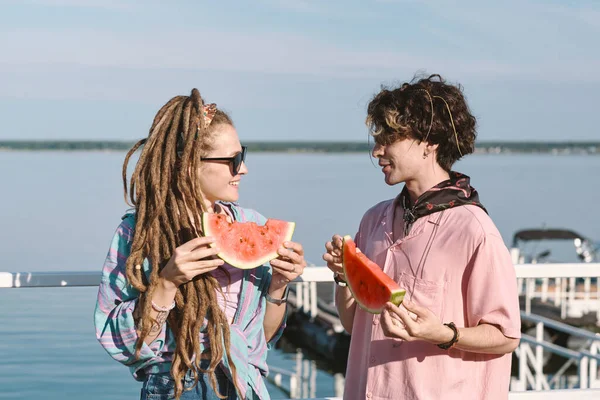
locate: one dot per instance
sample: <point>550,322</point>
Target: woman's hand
<point>288,266</point>
<point>189,260</point>
<point>333,256</point>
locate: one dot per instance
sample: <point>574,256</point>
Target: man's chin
<point>391,182</point>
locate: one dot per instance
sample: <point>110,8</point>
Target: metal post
<point>571,296</point>
<point>299,297</point>
<point>539,356</point>
<point>523,365</point>
<point>594,381</point>
<point>306,295</point>
<point>563,296</point>
<point>313,300</point>
<point>313,379</point>
<point>305,378</point>
<point>338,384</point>
<point>587,288</point>
<point>583,372</point>
<point>557,291</point>
<point>528,293</point>
<point>297,376</point>
<point>545,289</point>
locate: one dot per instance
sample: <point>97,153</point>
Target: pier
<point>563,290</point>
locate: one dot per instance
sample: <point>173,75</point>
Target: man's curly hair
<point>407,112</point>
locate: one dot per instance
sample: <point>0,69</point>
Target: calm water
<point>58,211</point>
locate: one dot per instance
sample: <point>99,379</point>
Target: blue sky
<point>294,69</point>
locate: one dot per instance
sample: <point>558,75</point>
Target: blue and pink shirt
<point>116,332</point>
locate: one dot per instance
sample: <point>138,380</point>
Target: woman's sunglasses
<point>235,161</point>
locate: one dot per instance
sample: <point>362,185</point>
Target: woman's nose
<point>243,169</point>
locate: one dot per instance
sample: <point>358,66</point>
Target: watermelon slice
<point>369,285</point>
<point>246,245</point>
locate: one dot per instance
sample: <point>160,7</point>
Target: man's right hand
<point>333,256</point>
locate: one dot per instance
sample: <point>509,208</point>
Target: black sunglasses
<point>235,161</point>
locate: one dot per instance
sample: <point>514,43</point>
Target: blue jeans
<point>162,387</point>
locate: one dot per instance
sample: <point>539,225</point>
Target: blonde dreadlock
<point>164,191</point>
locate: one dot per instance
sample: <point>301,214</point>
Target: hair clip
<point>209,111</point>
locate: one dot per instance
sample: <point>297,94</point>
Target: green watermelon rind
<point>232,260</point>
<point>396,296</point>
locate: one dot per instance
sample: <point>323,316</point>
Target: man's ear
<point>431,148</point>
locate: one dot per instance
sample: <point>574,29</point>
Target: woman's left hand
<point>288,266</point>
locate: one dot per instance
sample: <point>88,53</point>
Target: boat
<point>586,250</point>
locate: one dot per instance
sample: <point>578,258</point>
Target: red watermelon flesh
<point>370,286</point>
<point>246,245</point>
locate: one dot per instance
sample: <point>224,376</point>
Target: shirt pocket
<point>424,293</point>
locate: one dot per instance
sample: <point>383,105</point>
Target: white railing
<point>531,357</point>
<point>571,287</point>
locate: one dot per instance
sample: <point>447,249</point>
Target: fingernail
<point>286,243</point>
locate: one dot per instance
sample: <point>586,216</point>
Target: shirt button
<point>375,320</point>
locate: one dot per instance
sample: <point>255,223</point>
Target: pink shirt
<point>466,277</point>
<point>228,301</point>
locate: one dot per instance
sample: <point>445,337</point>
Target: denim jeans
<point>162,387</point>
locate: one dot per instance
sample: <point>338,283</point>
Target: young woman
<point>453,336</point>
<point>186,324</point>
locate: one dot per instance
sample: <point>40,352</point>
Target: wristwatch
<point>339,281</point>
<point>278,301</point>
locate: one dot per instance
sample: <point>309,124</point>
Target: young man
<point>453,336</point>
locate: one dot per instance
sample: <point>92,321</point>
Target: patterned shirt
<point>116,332</point>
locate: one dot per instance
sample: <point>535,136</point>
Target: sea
<point>59,210</point>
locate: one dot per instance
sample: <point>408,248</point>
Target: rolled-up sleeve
<point>113,316</point>
<point>491,290</point>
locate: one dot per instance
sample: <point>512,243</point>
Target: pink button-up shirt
<point>455,263</point>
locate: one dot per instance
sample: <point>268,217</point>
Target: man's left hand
<point>411,322</point>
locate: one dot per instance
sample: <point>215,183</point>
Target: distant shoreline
<point>490,147</point>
